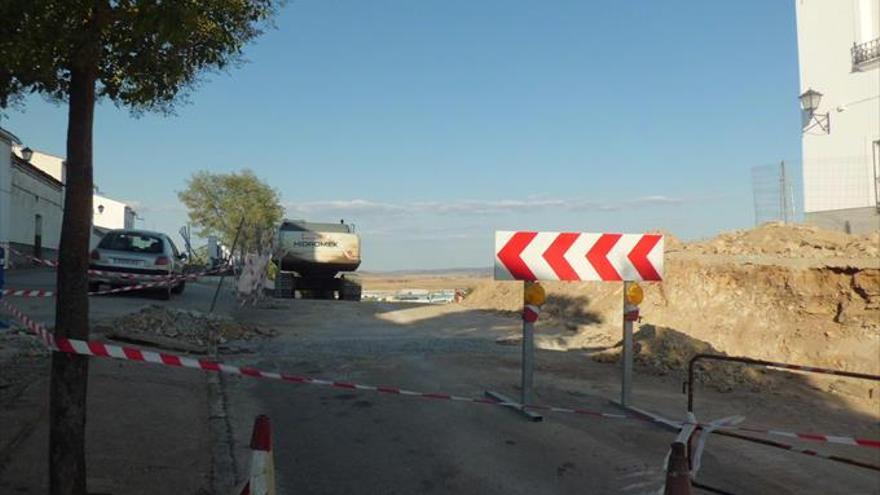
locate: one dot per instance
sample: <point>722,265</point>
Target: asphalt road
<point>149,428</point>
<point>197,295</point>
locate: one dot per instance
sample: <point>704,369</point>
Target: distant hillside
<point>439,272</point>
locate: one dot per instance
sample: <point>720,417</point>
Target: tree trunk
<point>69,379</point>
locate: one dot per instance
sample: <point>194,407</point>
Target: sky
<point>432,124</point>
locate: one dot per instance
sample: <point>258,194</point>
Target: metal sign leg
<point>528,362</point>
<point>627,357</point>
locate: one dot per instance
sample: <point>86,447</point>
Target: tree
<point>139,54</point>
<point>218,203</point>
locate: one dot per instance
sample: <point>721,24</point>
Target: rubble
<point>183,329</point>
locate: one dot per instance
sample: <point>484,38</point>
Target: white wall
<point>115,214</point>
<point>839,168</point>
<point>5,188</point>
<point>51,164</point>
<point>32,195</point>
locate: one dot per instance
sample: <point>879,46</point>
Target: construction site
<point>484,248</point>
<point>786,294</point>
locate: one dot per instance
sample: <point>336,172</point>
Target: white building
<point>111,214</point>
<point>839,57</point>
<point>31,205</point>
<point>51,164</point>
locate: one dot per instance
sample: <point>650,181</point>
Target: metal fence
<point>776,189</point>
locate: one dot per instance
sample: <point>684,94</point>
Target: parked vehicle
<point>126,257</point>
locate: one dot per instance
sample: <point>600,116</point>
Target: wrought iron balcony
<point>863,53</point>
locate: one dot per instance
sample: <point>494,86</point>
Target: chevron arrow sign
<point>575,257</point>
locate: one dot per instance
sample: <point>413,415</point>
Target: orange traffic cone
<point>678,476</point>
<point>262,477</point>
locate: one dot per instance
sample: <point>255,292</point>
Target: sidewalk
<point>147,431</point>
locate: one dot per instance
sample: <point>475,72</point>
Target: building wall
<point>51,164</point>
<point>115,214</point>
<point>5,188</point>
<point>852,220</point>
<point>840,169</point>
<point>32,195</point>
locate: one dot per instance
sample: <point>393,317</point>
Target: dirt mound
<point>574,304</point>
<point>186,326</point>
<point>796,241</point>
<point>663,351</point>
<point>793,304</point>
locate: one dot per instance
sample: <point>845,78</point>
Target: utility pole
<point>783,192</point>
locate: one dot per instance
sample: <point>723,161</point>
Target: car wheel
<point>178,289</point>
<point>165,293</point>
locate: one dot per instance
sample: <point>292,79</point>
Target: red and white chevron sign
<point>572,256</point>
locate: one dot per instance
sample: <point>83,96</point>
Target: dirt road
<point>343,441</point>
<point>155,428</point>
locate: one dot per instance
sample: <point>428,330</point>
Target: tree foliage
<point>218,203</point>
<point>142,55</point>
<point>145,52</point>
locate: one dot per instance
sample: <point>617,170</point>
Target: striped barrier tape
<point>100,349</point>
<point>844,440</point>
<point>163,283</point>
<point>34,259</point>
<point>799,450</point>
<point>36,328</point>
<point>27,293</point>
<point>127,288</point>
<point>94,271</point>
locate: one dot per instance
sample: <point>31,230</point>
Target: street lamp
<point>810,103</point>
<point>27,154</point>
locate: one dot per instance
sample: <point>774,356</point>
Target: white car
<point>128,257</point>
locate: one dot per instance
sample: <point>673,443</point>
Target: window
<point>133,243</point>
<point>866,40</point>
<point>877,173</point>
<point>867,20</point>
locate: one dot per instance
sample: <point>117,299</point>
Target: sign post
<point>632,297</point>
<point>577,257</point>
<point>533,298</point>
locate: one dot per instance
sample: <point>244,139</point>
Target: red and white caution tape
<point>163,283</point>
<point>39,261</point>
<point>39,330</point>
<point>844,440</point>
<point>100,349</point>
<point>27,293</point>
<point>812,369</point>
<point>106,273</point>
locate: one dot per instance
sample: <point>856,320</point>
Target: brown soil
<point>794,294</point>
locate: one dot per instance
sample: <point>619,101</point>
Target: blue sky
<point>432,124</point>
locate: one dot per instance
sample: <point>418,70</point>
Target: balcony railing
<point>863,53</point>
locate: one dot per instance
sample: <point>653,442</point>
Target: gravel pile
<point>188,326</point>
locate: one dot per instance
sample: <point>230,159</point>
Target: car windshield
<point>133,243</point>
